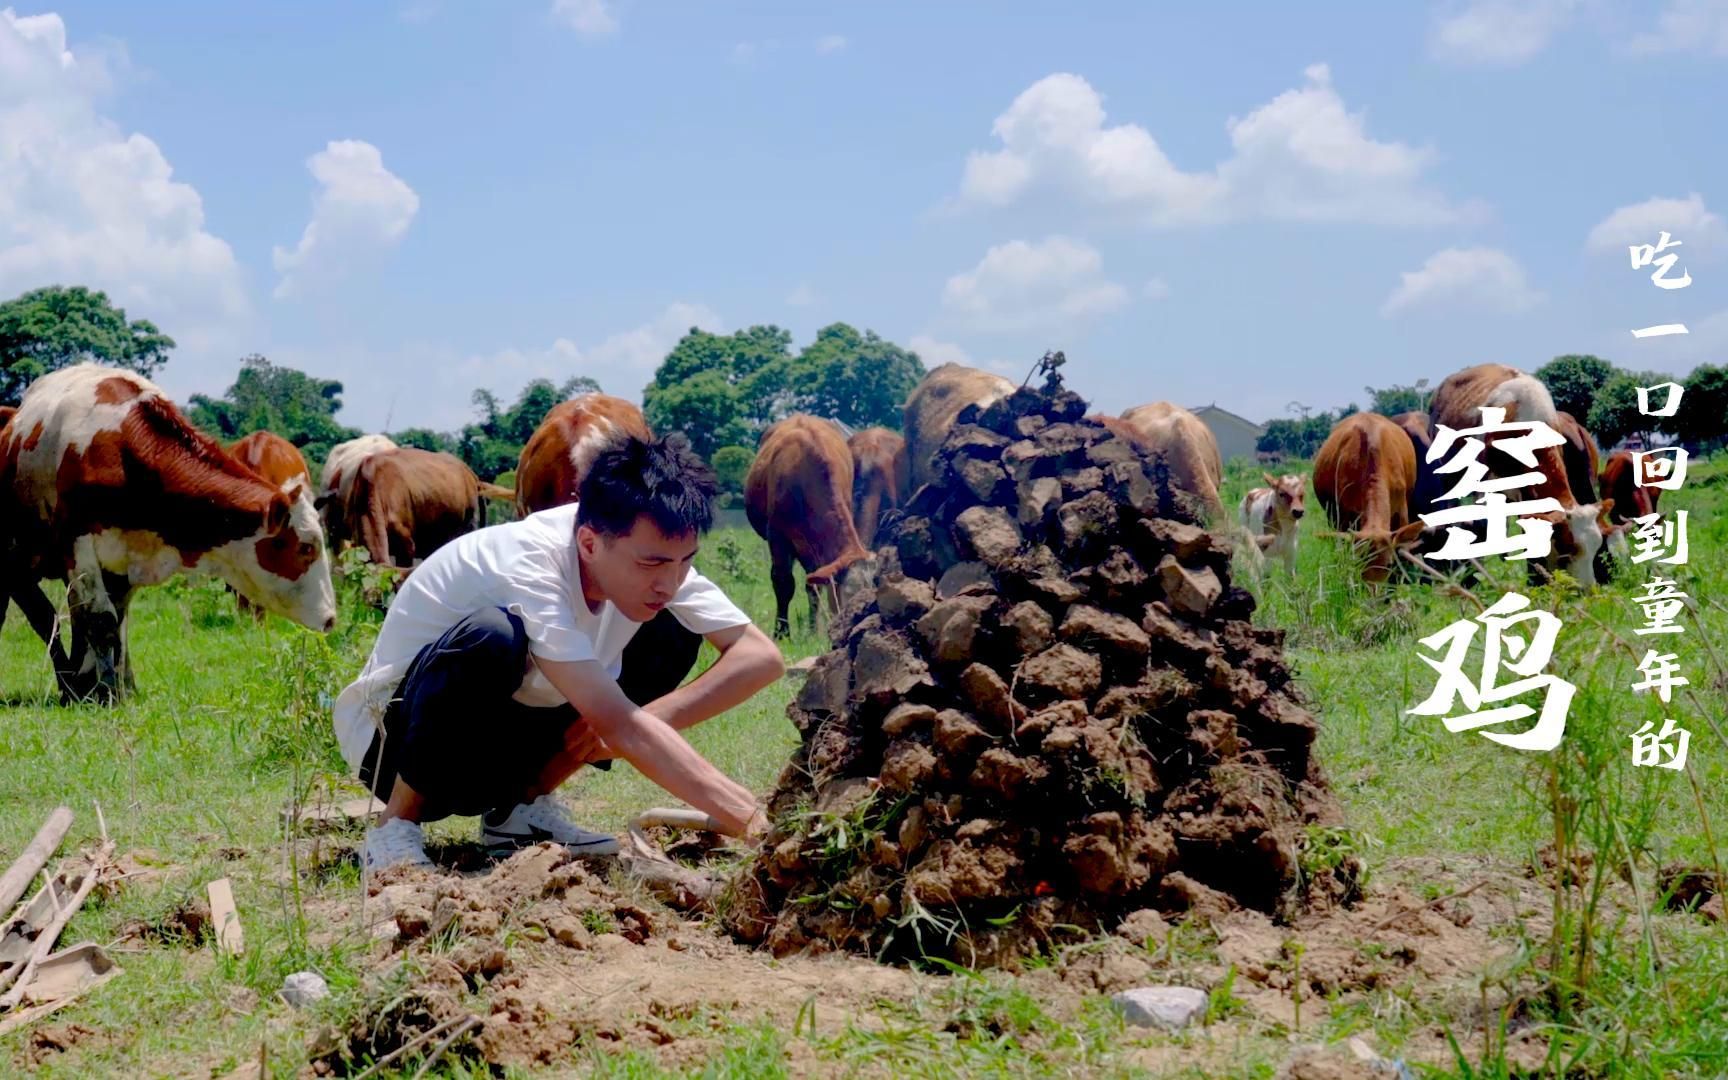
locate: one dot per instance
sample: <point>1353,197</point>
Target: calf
<point>1272,516</point>
<point>107,487</point>
<point>1363,476</point>
<point>879,478</point>
<point>798,497</point>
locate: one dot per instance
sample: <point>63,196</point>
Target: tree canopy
<point>1574,381</point>
<point>493,444</point>
<point>723,389</point>
<point>47,329</point>
<point>1398,399</point>
<point>266,397</point>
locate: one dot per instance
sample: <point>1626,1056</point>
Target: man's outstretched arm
<point>651,744</point>
<point>749,660</point>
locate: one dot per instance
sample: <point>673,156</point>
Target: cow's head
<point>281,567</point>
<point>1287,495</point>
<point>1580,532</point>
<point>1382,549</point>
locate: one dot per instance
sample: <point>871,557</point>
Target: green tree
<point>54,327</point>
<point>493,444</point>
<point>1574,381</point>
<point>732,465</point>
<point>720,389</point>
<point>426,439</point>
<point>1300,438</point>
<point>1614,415</point>
<point>859,379</point>
<point>266,397</point>
<point>1398,399</point>
<point>1702,418</point>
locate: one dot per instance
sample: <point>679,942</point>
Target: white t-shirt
<point>528,567</point>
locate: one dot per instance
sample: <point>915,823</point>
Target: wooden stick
<point>45,942</point>
<point>36,855</point>
<point>1434,903</point>
<point>438,1051</point>
<point>229,937</point>
<point>412,1044</point>
<point>676,818</point>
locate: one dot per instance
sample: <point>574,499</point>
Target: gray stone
<point>303,988</point>
<point>1171,1008</point>
<point>988,533</point>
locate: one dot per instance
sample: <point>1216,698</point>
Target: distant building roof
<point>1202,410</point>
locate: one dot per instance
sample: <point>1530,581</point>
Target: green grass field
<point>230,723</point>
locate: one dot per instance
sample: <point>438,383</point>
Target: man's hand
<point>650,744</point>
<point>584,744</point>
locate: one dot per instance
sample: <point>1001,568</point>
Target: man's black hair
<point>665,479</point>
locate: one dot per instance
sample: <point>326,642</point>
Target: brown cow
<point>341,465</point>
<point>279,463</point>
<point>1363,476</point>
<point>555,458</point>
<point>107,487</point>
<point>1629,498</point>
<point>798,496</point>
<point>1186,445</point>
<point>931,409</point>
<point>6,414</point>
<point>1583,526</point>
<point>879,478</point>
<point>407,503</point>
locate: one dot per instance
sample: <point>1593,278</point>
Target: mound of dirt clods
<point>1052,711</point>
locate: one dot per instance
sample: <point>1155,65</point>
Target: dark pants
<point>456,734</point>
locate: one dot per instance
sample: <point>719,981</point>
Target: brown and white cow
<point>341,465</point>
<point>798,497</point>
<point>107,487</point>
<point>279,463</point>
<point>406,503</point>
<point>931,409</point>
<point>1186,446</point>
<point>1630,499</point>
<point>1582,527</point>
<point>558,454</point>
<point>1363,476</point>
<point>879,478</point>
<point>1272,516</point>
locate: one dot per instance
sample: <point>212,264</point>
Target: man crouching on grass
<point>517,654</point>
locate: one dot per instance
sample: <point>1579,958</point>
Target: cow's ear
<point>276,514</point>
<point>1271,481</point>
<point>1409,534</point>
<point>1602,509</point>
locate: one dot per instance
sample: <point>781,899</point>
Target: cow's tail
<point>1525,398</point>
<point>496,493</point>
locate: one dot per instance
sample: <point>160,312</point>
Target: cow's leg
<point>780,556</point>
<point>94,669</point>
<point>40,614</point>
<point>120,595</point>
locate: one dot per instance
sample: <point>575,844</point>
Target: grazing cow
<point>340,467</point>
<point>1582,526</point>
<point>879,478</point>
<point>1186,445</point>
<point>574,433</point>
<point>798,496</point>
<point>278,462</point>
<point>931,409</point>
<point>1272,516</point>
<point>1629,499</point>
<point>1363,476</point>
<point>107,487</point>
<point>407,503</point>
<point>6,414</point>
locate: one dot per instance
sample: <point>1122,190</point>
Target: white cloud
<point>1055,282</point>
<point>1300,157</point>
<point>589,18</point>
<point>361,209</point>
<point>802,296</point>
<point>83,202</point>
<point>1473,277</point>
<point>830,43</point>
<point>1156,289</point>
<point>1698,230</point>
<point>1687,26</point>
<point>1498,31</point>
<point>936,353</point>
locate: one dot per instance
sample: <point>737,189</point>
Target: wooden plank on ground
<point>329,814</point>
<point>229,937</point>
<point>35,856</point>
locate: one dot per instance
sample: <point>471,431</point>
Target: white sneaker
<point>397,842</point>
<point>546,818</point>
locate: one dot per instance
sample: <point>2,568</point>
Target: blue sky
<point>1246,204</point>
